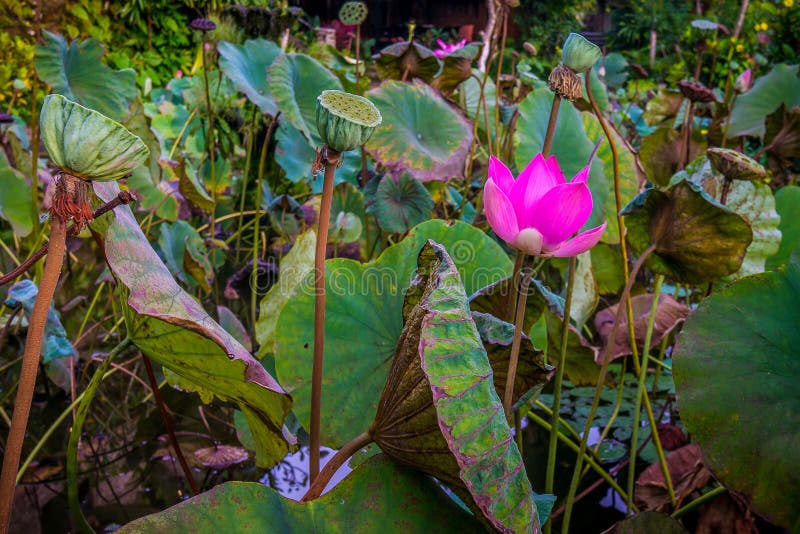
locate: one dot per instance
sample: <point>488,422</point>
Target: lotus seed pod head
<point>353,13</point>
<point>87,144</point>
<point>734,165</point>
<point>579,54</point>
<point>565,83</point>
<point>345,121</point>
<point>696,92</point>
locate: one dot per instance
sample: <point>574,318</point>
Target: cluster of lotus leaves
<point>345,121</point>
<point>87,144</point>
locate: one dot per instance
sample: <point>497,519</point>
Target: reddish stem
<point>333,465</point>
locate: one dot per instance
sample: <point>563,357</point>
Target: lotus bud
<point>734,165</point>
<point>743,81</point>
<point>530,48</point>
<point>565,83</point>
<point>579,54</point>
<point>345,121</point>
<point>203,25</point>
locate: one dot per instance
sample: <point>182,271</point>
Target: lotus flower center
<point>529,240</point>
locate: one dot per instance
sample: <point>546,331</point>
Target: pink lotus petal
<point>561,212</point>
<point>530,187</point>
<point>501,175</point>
<point>499,212</point>
<point>582,176</point>
<point>580,243</point>
<point>555,170</point>
<point>441,44</point>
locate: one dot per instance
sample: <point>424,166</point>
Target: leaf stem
<point>30,367</point>
<point>342,455</point>
<point>75,434</point>
<point>562,358</point>
<point>331,159</point>
<point>576,475</point>
<point>151,377</point>
<point>521,280</point>
<point>246,175</point>
<point>704,498</point>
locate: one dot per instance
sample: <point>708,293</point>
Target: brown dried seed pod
<point>565,83</point>
<point>734,165</point>
<point>696,92</point>
<point>220,456</point>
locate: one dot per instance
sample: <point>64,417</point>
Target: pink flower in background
<point>539,211</point>
<point>446,49</point>
<point>743,81</point>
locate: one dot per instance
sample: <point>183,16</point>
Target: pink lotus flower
<point>743,81</point>
<point>539,211</point>
<point>446,49</point>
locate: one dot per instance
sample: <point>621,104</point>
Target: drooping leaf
<point>400,203</point>
<point>173,241</point>
<point>753,201</point>
<point>571,146</point>
<point>14,194</point>
<point>379,496</point>
<point>580,367</point>
<point>406,61</point>
<point>780,86</point>
<point>647,523</point>
<point>665,105</point>
<point>296,80</point>
<point>170,327</point>
<point>782,137</point>
<point>697,239</point>
<point>247,66</point>
<point>736,373</point>
<point>607,268</point>
<point>190,187</point>
<point>456,67</point>
<point>363,320</point>
<point>787,204</point>
<point>615,68</point>
<point>233,326</point>
<point>499,300</point>
<point>439,410</point>
<point>294,268</point>
<point>78,72</point>
<point>420,134</point>
<point>688,475</point>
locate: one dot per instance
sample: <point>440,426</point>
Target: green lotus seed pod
<point>734,165</point>
<point>353,13</point>
<point>345,121</point>
<point>579,54</point>
<point>87,144</point>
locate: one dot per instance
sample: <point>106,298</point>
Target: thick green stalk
<point>576,475</point>
<point>30,367</point>
<point>75,434</point>
<point>248,159</point>
<point>704,498</point>
<point>640,391</point>
<point>562,358</point>
<point>331,159</point>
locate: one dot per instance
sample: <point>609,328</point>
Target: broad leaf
<point>697,239</point>
<point>665,105</point>
<point>780,86</point>
<point>247,66</point>
<point>363,320</point>
<point>170,327</point>
<point>15,206</point>
<point>420,134</point>
<point>379,496</point>
<point>736,374</point>
<point>406,61</point>
<point>439,410</point>
<point>661,153</point>
<point>787,203</point>
<point>77,72</point>
<point>296,80</point>
<point>401,203</point>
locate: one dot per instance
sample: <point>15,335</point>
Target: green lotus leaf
<point>736,373</point>
<point>13,208</point>
<point>615,68</point>
<point>77,72</point>
<point>787,204</point>
<point>697,239</point>
<point>379,496</point>
<point>753,201</point>
<point>86,143</point>
<point>247,66</point>
<point>440,412</point>
<point>171,327</point>
<point>782,138</point>
<point>665,105</point>
<point>407,61</point>
<point>571,146</point>
<point>296,80</point>
<point>661,153</point>
<point>401,203</point>
<point>363,320</point>
<point>421,133</point>
<point>780,86</point>
<point>456,67</point>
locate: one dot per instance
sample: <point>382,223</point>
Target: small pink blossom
<point>540,211</point>
<point>743,81</point>
<point>446,49</point>
<point>179,73</point>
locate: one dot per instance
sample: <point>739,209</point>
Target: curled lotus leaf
<point>406,61</point>
<point>440,412</point>
<point>86,143</point>
<point>696,238</point>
